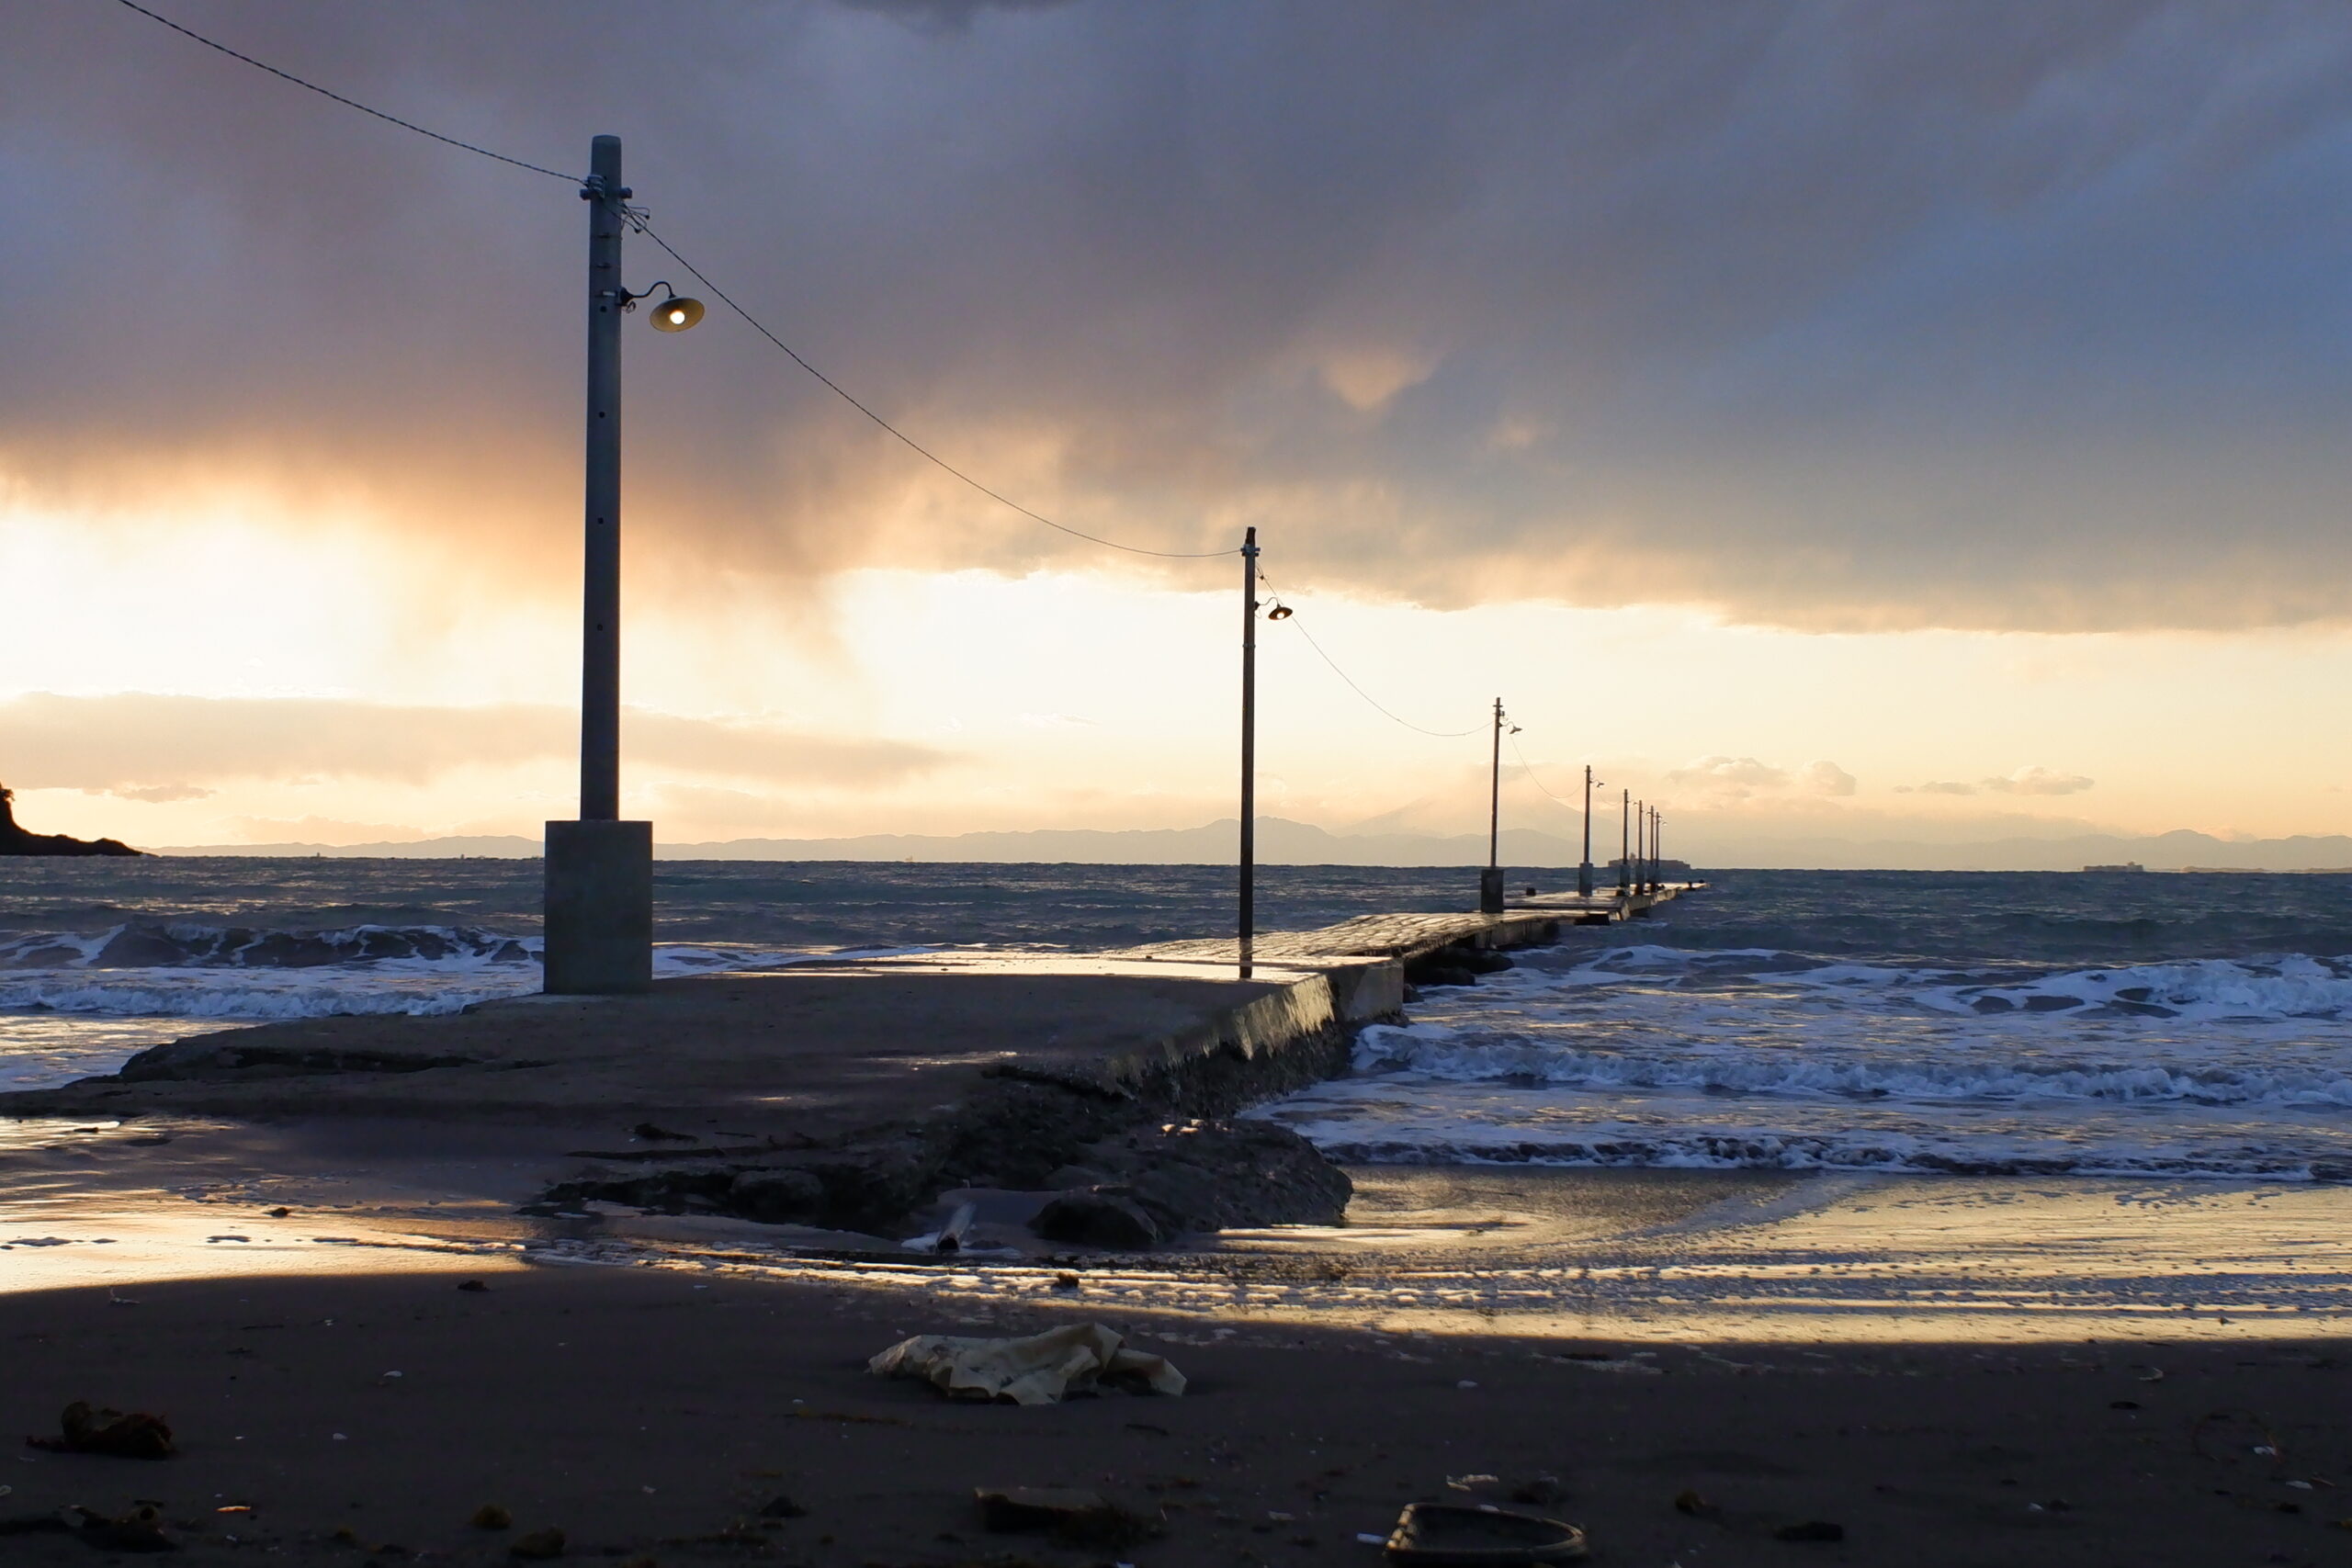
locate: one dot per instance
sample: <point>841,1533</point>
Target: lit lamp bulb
<point>676,313</point>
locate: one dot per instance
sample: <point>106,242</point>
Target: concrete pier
<point>842,1094</point>
<point>850,1093</point>
<point>1409,937</point>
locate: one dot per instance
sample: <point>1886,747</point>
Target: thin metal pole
<point>1495,799</point>
<point>1657,855</point>
<point>1584,868</point>
<point>1624,841</point>
<point>1248,889</point>
<point>1641,842</point>
<point>600,650</point>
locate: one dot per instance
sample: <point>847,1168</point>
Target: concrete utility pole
<point>1584,868</point>
<point>1641,841</point>
<point>1624,841</point>
<point>1657,856</point>
<point>1249,888</point>
<point>599,887</point>
<point>1490,881</point>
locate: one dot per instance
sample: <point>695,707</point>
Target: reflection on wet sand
<point>1664,1255</point>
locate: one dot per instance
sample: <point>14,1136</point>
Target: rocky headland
<point>16,840</point>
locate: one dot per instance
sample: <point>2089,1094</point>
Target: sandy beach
<point>653,1414</point>
<point>1791,1349</point>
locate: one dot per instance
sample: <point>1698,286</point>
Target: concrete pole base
<point>1490,890</point>
<point>599,905</point>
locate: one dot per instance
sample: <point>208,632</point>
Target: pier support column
<point>1490,890</point>
<point>599,908</point>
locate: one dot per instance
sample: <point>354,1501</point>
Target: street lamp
<point>1584,869</point>
<point>1490,881</point>
<point>598,894</point>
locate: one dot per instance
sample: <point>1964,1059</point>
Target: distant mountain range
<point>1284,842</point>
<point>1280,842</point>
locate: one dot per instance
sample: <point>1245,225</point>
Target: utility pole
<point>1624,843</point>
<point>1640,846</point>
<point>1584,868</point>
<point>1657,855</point>
<point>1249,888</point>
<point>599,870</point>
<point>1490,881</point>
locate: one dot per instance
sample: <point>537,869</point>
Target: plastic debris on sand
<point>1040,1368</point>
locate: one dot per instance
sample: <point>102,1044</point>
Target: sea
<point>2169,1026</point>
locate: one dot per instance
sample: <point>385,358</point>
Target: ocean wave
<point>228,973</point>
<point>152,944</point>
<point>2264,988</point>
<point>1770,1151</point>
<point>1439,1051</point>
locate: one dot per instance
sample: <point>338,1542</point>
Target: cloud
<point>1827,778</point>
<point>1722,779</point>
<point>154,747</point>
<point>2039,780</point>
<point>2024,781</point>
<point>1735,776</point>
<point>1826,312</point>
<point>156,794</point>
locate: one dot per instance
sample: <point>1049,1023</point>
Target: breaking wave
<point>1761,1057</point>
<point>192,971</point>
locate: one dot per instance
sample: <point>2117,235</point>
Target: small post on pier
<point>1624,843</point>
<point>1490,881</point>
<point>598,894</point>
<point>1247,913</point>
<point>1584,867</point>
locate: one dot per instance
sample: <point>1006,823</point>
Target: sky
<point>1831,420</point>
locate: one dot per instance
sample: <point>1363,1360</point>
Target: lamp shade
<point>676,313</point>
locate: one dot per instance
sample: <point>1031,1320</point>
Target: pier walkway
<point>837,1095</point>
<point>1407,938</point>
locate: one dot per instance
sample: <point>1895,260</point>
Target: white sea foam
<point>1656,1055</point>
<point>66,999</point>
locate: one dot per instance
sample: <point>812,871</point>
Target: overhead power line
<point>1530,771</point>
<point>1367,696</point>
<point>338,97</point>
<point>646,229</point>
<point>638,221</point>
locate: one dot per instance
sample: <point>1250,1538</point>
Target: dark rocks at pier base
<point>16,840</point>
<point>1458,964</point>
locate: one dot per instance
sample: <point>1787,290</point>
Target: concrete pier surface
<point>842,1094</point>
<point>1421,938</point>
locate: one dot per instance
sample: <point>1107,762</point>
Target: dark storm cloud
<point>1996,312</point>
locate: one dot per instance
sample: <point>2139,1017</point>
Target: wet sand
<point>651,1413</point>
<point>1953,1370</point>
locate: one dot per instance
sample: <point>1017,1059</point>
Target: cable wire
<point>338,97</point>
<point>1530,771</point>
<point>1367,696</point>
<point>639,221</point>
